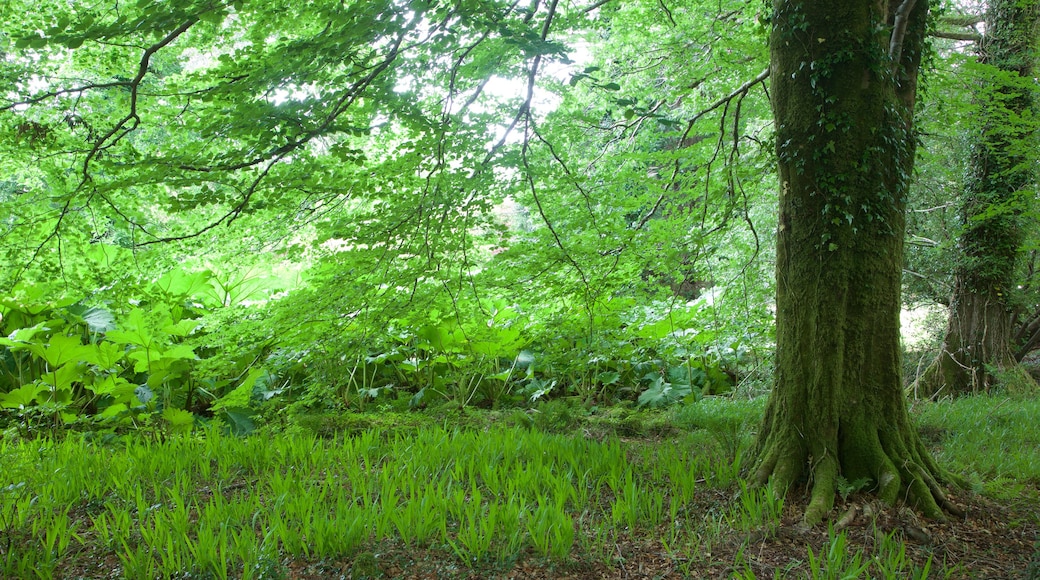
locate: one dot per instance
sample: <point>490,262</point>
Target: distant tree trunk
<point>977,349</point>
<point>843,85</point>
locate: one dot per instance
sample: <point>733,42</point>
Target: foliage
<point>428,231</point>
<point>70,364</point>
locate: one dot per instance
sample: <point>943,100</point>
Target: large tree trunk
<point>845,143</point>
<point>977,351</point>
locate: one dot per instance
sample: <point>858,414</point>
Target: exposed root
<point>825,485</point>
<point>913,478</point>
<point>845,520</point>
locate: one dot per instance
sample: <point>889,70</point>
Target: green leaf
<point>181,284</point>
<point>116,387</point>
<point>180,352</point>
<point>113,410</point>
<point>64,376</point>
<point>23,338</point>
<point>62,349</point>
<point>609,377</point>
<point>21,397</point>
<point>179,420</point>
<point>182,328</point>
<point>242,394</point>
<point>134,331</point>
<point>662,393</point>
<point>108,355</point>
<point>96,319</point>
<point>239,421</point>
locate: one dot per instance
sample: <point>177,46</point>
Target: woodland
<point>519,289</point>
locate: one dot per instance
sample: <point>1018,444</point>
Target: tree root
<point>898,463</point>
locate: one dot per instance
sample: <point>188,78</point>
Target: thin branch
<point>51,94</point>
<point>142,70</point>
<point>741,90</point>
<point>667,12</point>
<point>595,6</point>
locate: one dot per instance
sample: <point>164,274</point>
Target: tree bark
<point>844,79</point>
<point>977,350</point>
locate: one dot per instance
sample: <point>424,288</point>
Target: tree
<point>844,82</point>
<point>978,348</point>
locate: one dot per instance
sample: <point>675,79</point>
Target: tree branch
<point>895,45</point>
<point>962,19</point>
<point>969,36</point>
<point>595,6</point>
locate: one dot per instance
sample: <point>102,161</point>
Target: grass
<point>990,436</point>
<point>497,494</point>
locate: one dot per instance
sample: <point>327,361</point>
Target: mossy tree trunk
<point>843,85</point>
<point>977,349</point>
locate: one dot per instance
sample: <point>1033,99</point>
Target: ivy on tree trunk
<point>977,349</point>
<point>844,80</point>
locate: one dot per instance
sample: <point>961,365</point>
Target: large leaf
<point>182,328</point>
<point>96,319</point>
<point>21,338</point>
<point>116,387</point>
<point>181,284</point>
<point>178,420</point>
<point>66,374</point>
<point>134,330</point>
<point>21,397</point>
<point>662,393</point>
<point>62,349</point>
<point>242,394</point>
<point>239,421</point>
<point>108,355</point>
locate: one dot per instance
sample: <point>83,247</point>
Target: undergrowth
<point>487,493</point>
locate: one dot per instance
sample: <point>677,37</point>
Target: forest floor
<point>125,524</point>
<point>994,541</point>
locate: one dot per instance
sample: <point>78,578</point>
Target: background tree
<point>844,82</point>
<point>980,346</point>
